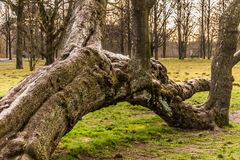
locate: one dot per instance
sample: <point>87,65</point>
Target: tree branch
<point>236,58</point>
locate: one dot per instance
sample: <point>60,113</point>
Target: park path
<point>6,60</point>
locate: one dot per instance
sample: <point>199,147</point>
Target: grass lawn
<point>134,132</point>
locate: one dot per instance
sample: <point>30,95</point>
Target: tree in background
<point>51,20</point>
<point>159,32</point>
<point>184,25</point>
<point>54,17</point>
<point>6,29</point>
<point>18,9</point>
<point>202,33</point>
<point>118,29</point>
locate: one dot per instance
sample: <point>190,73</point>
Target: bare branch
<point>236,58</point>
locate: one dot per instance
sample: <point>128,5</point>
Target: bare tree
<point>118,27</point>
<point>54,32</point>
<point>6,30</point>
<point>184,25</point>
<point>159,32</point>
<point>18,8</point>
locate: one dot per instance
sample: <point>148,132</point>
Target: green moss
<point>9,76</point>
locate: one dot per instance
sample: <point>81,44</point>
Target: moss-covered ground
<point>133,132</point>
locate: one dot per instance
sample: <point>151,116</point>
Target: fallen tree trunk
<point>47,104</point>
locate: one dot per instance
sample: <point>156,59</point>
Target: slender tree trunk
<point>9,44</point>
<point>122,30</point>
<point>155,32</point>
<point>164,38</point>
<point>203,39</point>
<point>42,49</point>
<point>6,46</point>
<point>129,28</point>
<point>8,35</point>
<point>19,45</point>
<point>7,29</point>
<point>179,28</point>
<point>208,30</point>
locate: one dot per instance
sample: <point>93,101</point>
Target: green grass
<point>9,76</point>
<point>137,133</point>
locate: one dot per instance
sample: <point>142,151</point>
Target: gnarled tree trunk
<point>46,105</point>
<point>222,64</point>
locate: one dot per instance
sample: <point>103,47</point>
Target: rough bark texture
<point>221,78</point>
<point>141,10</point>
<point>46,105</point>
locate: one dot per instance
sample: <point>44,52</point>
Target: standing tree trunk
<point>8,37</point>
<point>186,28</point>
<point>223,62</point>
<point>122,22</point>
<point>209,48</point>
<point>164,37</point>
<point>19,45</point>
<point>203,38</point>
<point>141,11</point>
<point>9,44</point>
<point>129,32</point>
<point>6,44</point>
<point>179,28</point>
<point>155,32</point>
<point>42,48</point>
<point>50,50</point>
<point>87,78</point>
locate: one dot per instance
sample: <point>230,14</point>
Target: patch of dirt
<point>235,116</point>
<point>139,151</point>
<point>193,149</point>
